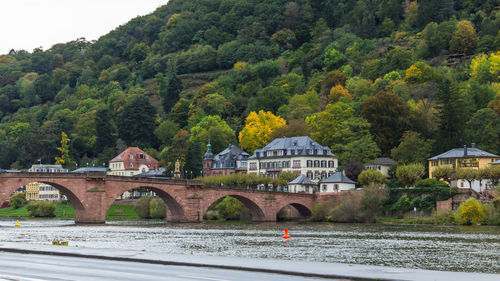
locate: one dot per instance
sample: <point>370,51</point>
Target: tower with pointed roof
<point>208,159</point>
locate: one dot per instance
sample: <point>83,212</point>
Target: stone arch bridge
<point>92,194</point>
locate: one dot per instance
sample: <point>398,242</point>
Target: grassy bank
<point>66,211</point>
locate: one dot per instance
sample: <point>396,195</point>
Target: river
<point>451,248</point>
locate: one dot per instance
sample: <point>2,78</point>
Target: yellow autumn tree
<point>258,129</point>
<point>64,159</point>
<point>464,40</point>
<point>240,66</point>
<point>338,92</point>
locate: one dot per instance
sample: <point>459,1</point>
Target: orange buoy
<point>286,236</point>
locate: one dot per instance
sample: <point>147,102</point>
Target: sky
<point>29,24</point>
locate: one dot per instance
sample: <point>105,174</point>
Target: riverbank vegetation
<point>397,205</point>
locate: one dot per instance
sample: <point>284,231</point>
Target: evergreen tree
<point>194,158</point>
<point>136,124</point>
<point>104,131</point>
<point>451,108</point>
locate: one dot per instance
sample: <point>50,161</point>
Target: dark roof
<point>301,179</point>
<point>91,170</point>
<point>337,177</point>
<point>299,145</point>
<point>495,162</point>
<point>460,153</point>
<point>152,173</point>
<point>384,161</point>
<point>229,155</point>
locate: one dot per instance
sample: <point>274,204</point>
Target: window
<point>141,156</point>
<point>253,166</point>
<point>316,163</point>
<point>296,164</point>
<point>324,187</point>
<point>316,175</point>
<point>331,164</point>
<point>131,166</point>
<point>307,189</point>
<point>309,175</point>
<point>336,187</point>
<point>131,156</point>
<point>309,163</point>
<point>323,164</point>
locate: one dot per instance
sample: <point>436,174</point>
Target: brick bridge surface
<point>187,201</point>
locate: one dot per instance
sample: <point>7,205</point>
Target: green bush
<point>157,209</point>
<point>211,215</point>
<point>17,200</point>
<point>41,209</point>
<point>232,209</point>
<point>445,217</point>
<point>426,182</point>
<point>402,205</point>
<point>471,211</point>
<point>142,207</point>
<point>319,212</point>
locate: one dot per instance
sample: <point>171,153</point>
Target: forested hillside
<point>404,79</point>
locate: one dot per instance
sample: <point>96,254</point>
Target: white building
<point>46,168</point>
<point>132,161</point>
<point>383,165</point>
<point>337,182</point>
<point>301,185</point>
<point>38,191</point>
<point>295,154</point>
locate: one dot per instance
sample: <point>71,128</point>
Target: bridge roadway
<point>91,194</point>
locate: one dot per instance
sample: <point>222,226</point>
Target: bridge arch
<point>255,209</point>
<point>175,212</point>
<point>75,201</point>
<point>303,210</point>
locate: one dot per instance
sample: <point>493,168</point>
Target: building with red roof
<point>132,161</point>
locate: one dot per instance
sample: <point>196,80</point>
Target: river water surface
<point>451,248</point>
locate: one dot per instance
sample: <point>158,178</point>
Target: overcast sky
<point>28,24</point>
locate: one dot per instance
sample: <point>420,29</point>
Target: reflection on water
<point>454,248</point>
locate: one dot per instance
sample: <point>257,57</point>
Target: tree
<point>294,128</point>
<point>64,159</point>
<point>104,130</point>
<point>464,39</point>
<point>443,172</point>
<point>412,149</point>
<point>484,129</point>
<point>388,115</point>
<point>258,129</point>
<point>194,159</point>
<point>216,130</point>
<point>470,211</point>
<point>347,135</point>
<point>332,58</point>
<point>16,201</point>
<point>136,122</point>
<point>468,174</point>
<point>491,173</point>
<point>271,98</point>
<point>409,174</point>
<point>352,169</point>
<point>166,131</point>
<point>287,176</point>
<point>368,177</point>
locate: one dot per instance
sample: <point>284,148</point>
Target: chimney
<point>465,150</point>
<point>473,145</point>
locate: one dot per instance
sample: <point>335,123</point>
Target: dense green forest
<point>405,79</point>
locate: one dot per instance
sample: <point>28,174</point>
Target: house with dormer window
<point>132,161</point>
<point>295,154</point>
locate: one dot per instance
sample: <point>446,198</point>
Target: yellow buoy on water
<point>17,222</point>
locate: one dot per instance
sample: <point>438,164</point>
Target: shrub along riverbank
<point>66,211</point>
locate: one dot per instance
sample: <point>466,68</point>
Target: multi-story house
<point>295,154</point>
<point>132,161</point>
<point>463,158</point>
<point>230,160</point>
<point>38,191</point>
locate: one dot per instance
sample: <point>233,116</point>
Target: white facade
<point>336,187</point>
<point>315,167</point>
<point>118,169</point>
<point>301,188</point>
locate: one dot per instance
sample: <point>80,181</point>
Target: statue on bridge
<point>177,171</point>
